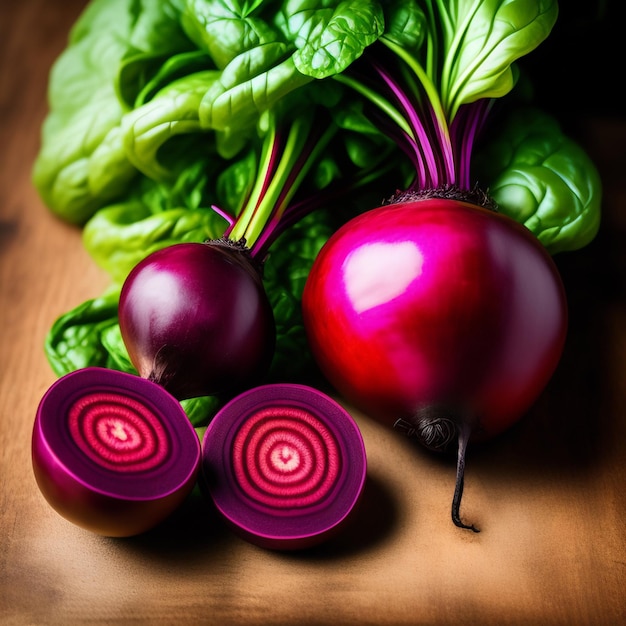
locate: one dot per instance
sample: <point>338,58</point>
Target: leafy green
<point>120,236</point>
<point>74,341</point>
<point>155,37</point>
<point>82,164</point>
<point>284,276</point>
<point>309,39</point>
<point>137,75</point>
<point>479,42</point>
<point>406,24</point>
<point>329,35</point>
<point>543,179</point>
<point>173,111</point>
<point>226,28</point>
<point>200,410</point>
<point>154,215</point>
<point>175,67</point>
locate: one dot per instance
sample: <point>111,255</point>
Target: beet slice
<point>112,452</point>
<point>285,465</point>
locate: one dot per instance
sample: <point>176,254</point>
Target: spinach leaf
<point>249,85</point>
<point>120,236</point>
<point>543,179</point>
<point>85,112</point>
<point>155,215</point>
<point>82,164</point>
<point>315,39</point>
<point>136,76</point>
<point>284,276</point>
<point>155,36</point>
<point>226,28</point>
<point>75,339</point>
<point>173,111</point>
<point>173,68</point>
<point>329,36</point>
<point>480,40</point>
<point>406,24</point>
<point>200,410</point>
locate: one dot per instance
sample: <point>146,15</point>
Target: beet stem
<point>464,434</point>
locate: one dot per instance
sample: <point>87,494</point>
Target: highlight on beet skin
<point>112,452</point>
<point>285,465</point>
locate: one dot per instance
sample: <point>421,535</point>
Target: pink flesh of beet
<point>112,452</point>
<point>285,465</point>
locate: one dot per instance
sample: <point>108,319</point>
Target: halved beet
<point>112,452</point>
<point>285,465</point>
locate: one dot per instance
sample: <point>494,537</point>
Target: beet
<point>112,452</point>
<point>285,465</point>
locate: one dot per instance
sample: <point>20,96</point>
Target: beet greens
<point>432,78</point>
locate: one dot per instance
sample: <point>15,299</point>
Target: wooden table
<point>549,495</point>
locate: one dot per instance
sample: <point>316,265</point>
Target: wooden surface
<point>549,495</point>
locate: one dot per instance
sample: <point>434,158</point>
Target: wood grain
<point>549,495</point>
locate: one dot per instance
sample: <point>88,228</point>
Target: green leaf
<point>173,68</point>
<point>155,36</point>
<point>227,28</point>
<point>405,24</point>
<point>82,165</point>
<point>200,410</point>
<point>364,143</point>
<point>315,39</point>
<point>249,85</point>
<point>285,274</point>
<point>173,111</point>
<point>75,339</point>
<point>481,39</point>
<point>120,236</point>
<point>329,36</point>
<point>112,342</point>
<point>543,179</point>
<point>84,113</point>
<point>154,215</point>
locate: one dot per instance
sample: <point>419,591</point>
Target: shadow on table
<point>192,534</point>
<point>196,532</point>
<point>373,520</point>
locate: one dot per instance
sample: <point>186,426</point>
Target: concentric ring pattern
<point>118,432</point>
<point>285,457</point>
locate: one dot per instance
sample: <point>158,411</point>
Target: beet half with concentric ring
<point>285,465</point>
<point>112,452</point>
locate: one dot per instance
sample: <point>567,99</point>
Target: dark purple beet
<point>195,319</point>
<point>112,452</point>
<point>285,465</point>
